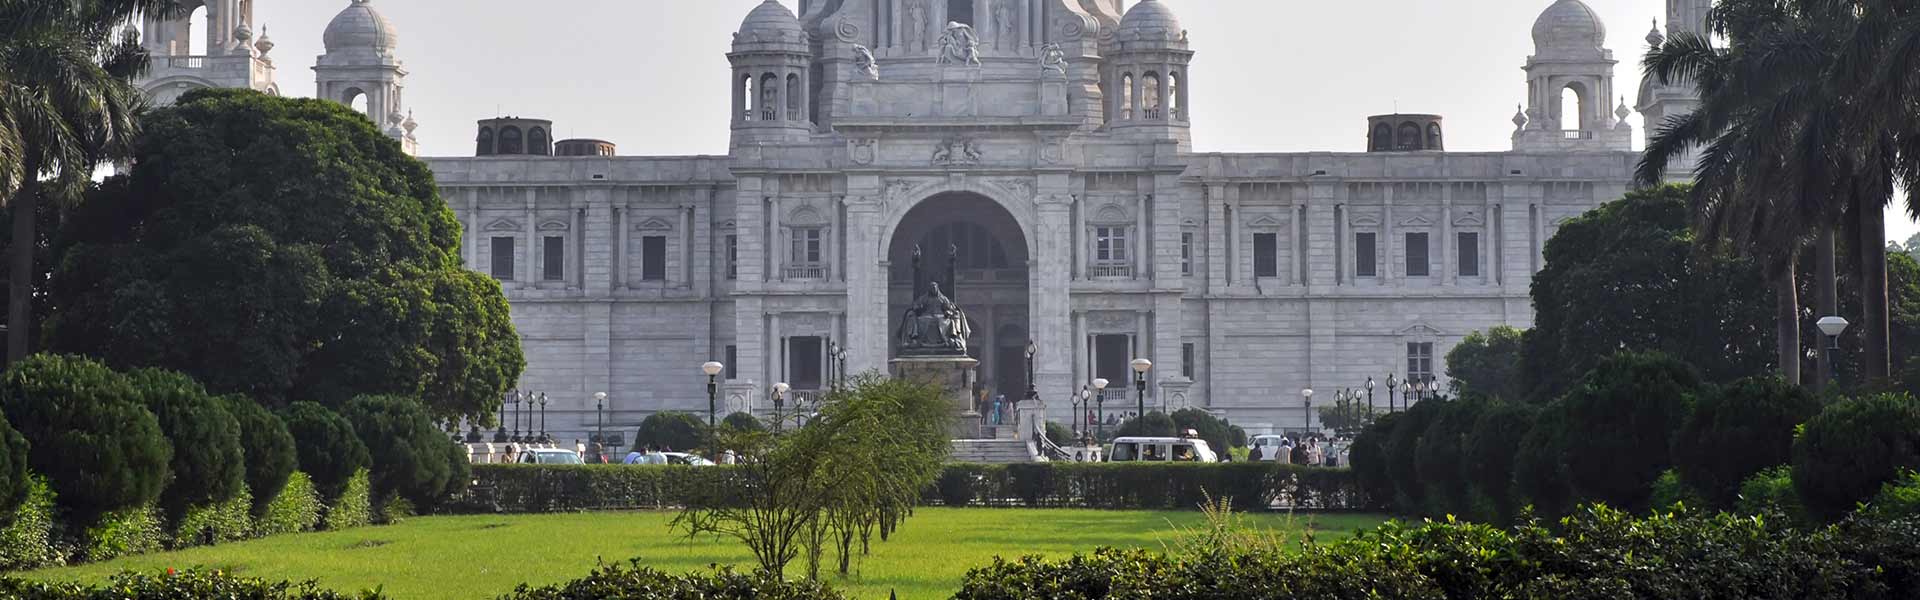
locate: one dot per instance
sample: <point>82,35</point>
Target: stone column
<point>1234,249</point>
<point>1143,239</point>
<point>1078,253</point>
<point>1051,313</point>
<point>525,274</point>
<point>1324,257</point>
<point>572,271</point>
<point>735,89</point>
<point>622,249</point>
<point>703,237</point>
<point>1216,238</point>
<point>473,237</point>
<point>598,256</point>
<point>1385,254</point>
<point>1449,266</point>
<point>838,238</point>
<point>867,335</point>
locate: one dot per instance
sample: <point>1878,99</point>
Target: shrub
<point>742,422</point>
<point>267,446</point>
<point>1154,424</point>
<point>98,448</point>
<point>1215,431</point>
<point>1488,364</point>
<point>13,467</point>
<point>1621,418</point>
<point>1488,465</point>
<point>1847,452</point>
<point>295,509</point>
<point>26,534</point>
<point>1403,444</point>
<point>635,581</point>
<point>125,532</point>
<point>1368,456</point>
<point>1060,435</point>
<point>1900,498</point>
<point>187,585</point>
<point>1736,431</point>
<point>205,525</point>
<point>408,454</point>
<point>1539,477</point>
<point>208,466</point>
<point>1770,492</point>
<point>670,430</point>
<point>1669,492</point>
<point>1440,456</point>
<point>325,445</point>
<point>353,507</point>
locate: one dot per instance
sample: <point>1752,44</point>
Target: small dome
<point>1151,17</point>
<point>1569,25</point>
<point>360,26</point>
<point>771,20</point>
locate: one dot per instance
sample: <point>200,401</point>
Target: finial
<point>1519,116</point>
<point>1623,112</point>
<point>1654,37</point>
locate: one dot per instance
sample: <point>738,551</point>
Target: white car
<point>1161,449</point>
<point>549,456</point>
<point>682,458</point>
<point>1269,449</point>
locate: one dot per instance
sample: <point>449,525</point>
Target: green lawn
<point>480,557</point>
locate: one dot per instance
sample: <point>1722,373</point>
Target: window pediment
<point>503,225</point>
<point>555,225</point>
<point>654,224</point>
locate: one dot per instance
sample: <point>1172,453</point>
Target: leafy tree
<point>67,106</point>
<point>1214,430</point>
<point>1620,421</point>
<point>1369,457</point>
<point>14,476</point>
<point>1154,424</point>
<point>1409,485</point>
<point>1440,455</point>
<point>1738,430</point>
<point>290,237</point>
<point>99,449</point>
<point>1626,276</point>
<point>1060,435</point>
<point>325,445</point>
<point>208,465</point>
<point>1488,364</point>
<point>742,422</point>
<point>1491,447</point>
<point>409,455</point>
<point>1539,476</point>
<point>268,446</point>
<point>1852,448</point>
<point>671,430</point>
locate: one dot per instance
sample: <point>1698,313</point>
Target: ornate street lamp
<point>1832,326</point>
<point>779,392</point>
<point>839,356</point>
<point>1079,402</point>
<point>1306,396</point>
<point>1140,368</point>
<point>712,369</point>
<point>1100,404</point>
<point>1369,394</point>
<point>1033,393</point>
<point>514,397</point>
<point>1391,384</point>
<point>544,436</point>
<point>600,421</point>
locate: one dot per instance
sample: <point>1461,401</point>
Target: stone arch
<point>990,293</point>
<point>1022,210</point>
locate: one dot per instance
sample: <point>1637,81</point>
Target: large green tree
<point>208,465</point>
<point>1620,422</point>
<point>1737,430</point>
<point>67,105</point>
<point>287,250</point>
<point>1488,364</point>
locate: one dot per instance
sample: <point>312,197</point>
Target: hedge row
<point>561,488</point>
<point>632,582</point>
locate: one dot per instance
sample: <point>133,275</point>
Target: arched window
<point>357,100</point>
<point>1573,114</point>
<point>746,97</point>
<point>1126,96</point>
<point>769,98</point>
<point>1382,138</point>
<point>1433,137</point>
<point>1409,137</point>
<point>1176,107</point>
<point>537,142</point>
<point>1150,96</point>
<point>793,97</point>
<point>510,141</point>
<point>199,35</point>
<point>485,142</point>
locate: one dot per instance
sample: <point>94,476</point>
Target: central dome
<point>360,26</point>
<point>1569,25</point>
<point>1149,16</point>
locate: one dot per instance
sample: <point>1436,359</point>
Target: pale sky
<point>1269,75</point>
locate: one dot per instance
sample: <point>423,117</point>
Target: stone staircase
<point>996,451</point>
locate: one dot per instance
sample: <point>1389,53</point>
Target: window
<point>1186,253</point>
<point>537,142</point>
<point>503,258</point>
<point>510,141</point>
<point>1363,255</point>
<point>1469,254</point>
<point>1419,361</point>
<point>1186,360</point>
<point>485,142</point>
<point>731,356</point>
<point>653,258</point>
<point>1110,244</point>
<point>1266,255</point>
<point>805,362</point>
<point>1114,354</point>
<point>553,266</point>
<point>806,246</point>
<point>1417,255</point>
<point>733,257</point>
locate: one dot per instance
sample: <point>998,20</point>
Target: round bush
<point>1736,431</point>
<point>208,465</point>
<point>1853,448</point>
<point>671,430</point>
<point>742,422</point>
<point>1539,476</point>
<point>1368,455</point>
<point>1440,457</point>
<point>1214,430</point>
<point>1490,449</point>
<point>325,446</point>
<point>1153,425</point>
<point>1621,418</point>
<point>13,467</point>
<point>1410,491</point>
<point>99,449</point>
<point>268,446</point>
<point>409,455</point>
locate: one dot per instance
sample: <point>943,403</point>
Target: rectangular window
<point>1419,361</point>
<point>1363,255</point>
<point>1266,255</point>
<point>731,357</point>
<point>1186,360</point>
<point>1115,353</point>
<point>804,362</point>
<point>1417,263</point>
<point>1186,253</point>
<point>653,258</point>
<point>503,258</point>
<point>1110,244</point>
<point>806,247</point>
<point>553,262</point>
<point>733,259</point>
<point>1469,254</point>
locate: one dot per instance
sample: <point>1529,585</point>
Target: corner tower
<point>360,63</point>
<point>233,57</point>
<point>772,63</point>
<point>1659,102</point>
<point>1571,60</point>
<point>1147,74</point>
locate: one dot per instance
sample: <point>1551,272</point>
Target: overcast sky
<point>1269,75</point>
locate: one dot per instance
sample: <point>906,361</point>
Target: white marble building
<point>1086,219</point>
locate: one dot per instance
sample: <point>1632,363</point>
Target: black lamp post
<point>712,369</point>
<point>514,397</point>
<point>1391,384</point>
<point>1832,326</point>
<point>600,420</point>
<point>779,392</point>
<point>833,375</point>
<point>1369,395</point>
<point>544,436</point>
<point>1079,418</point>
<point>1140,368</point>
<point>1033,393</point>
<point>1306,396</point>
<point>839,356</point>
<point>1100,406</point>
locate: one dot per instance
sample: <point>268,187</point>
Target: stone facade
<point>1046,144</point>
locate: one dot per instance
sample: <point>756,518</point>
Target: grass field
<point>481,557</point>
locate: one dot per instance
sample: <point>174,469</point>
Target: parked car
<point>549,456</point>
<point>1161,449</point>
<point>682,458</point>
<point>1268,448</point>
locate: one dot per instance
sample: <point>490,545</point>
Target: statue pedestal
<point>954,376</point>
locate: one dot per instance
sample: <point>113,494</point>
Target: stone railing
<point>1114,271</point>
<point>806,272</point>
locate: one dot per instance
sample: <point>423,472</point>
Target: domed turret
<point>360,26</point>
<point>771,21</point>
<point>1150,19</point>
<point>1146,75</point>
<point>1569,26</point>
<point>772,62</point>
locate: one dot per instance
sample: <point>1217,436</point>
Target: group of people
<point>1309,452</point>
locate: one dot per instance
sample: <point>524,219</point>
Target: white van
<point>1161,449</point>
<point>1268,448</point>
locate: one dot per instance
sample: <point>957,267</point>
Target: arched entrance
<point>991,271</point>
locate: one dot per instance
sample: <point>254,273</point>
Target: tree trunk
<point>1873,288</point>
<point>20,274</point>
<point>1827,303</point>
<point>1787,322</point>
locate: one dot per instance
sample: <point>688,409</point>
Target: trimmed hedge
<point>638,582</point>
<point>189,585</point>
<point>1249,485</point>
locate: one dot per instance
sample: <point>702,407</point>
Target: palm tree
<point>67,106</point>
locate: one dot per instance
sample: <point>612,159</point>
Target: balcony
<point>1574,134</point>
<point>1110,271</point>
<point>181,62</point>
<point>1155,114</point>
<point>805,272</point>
